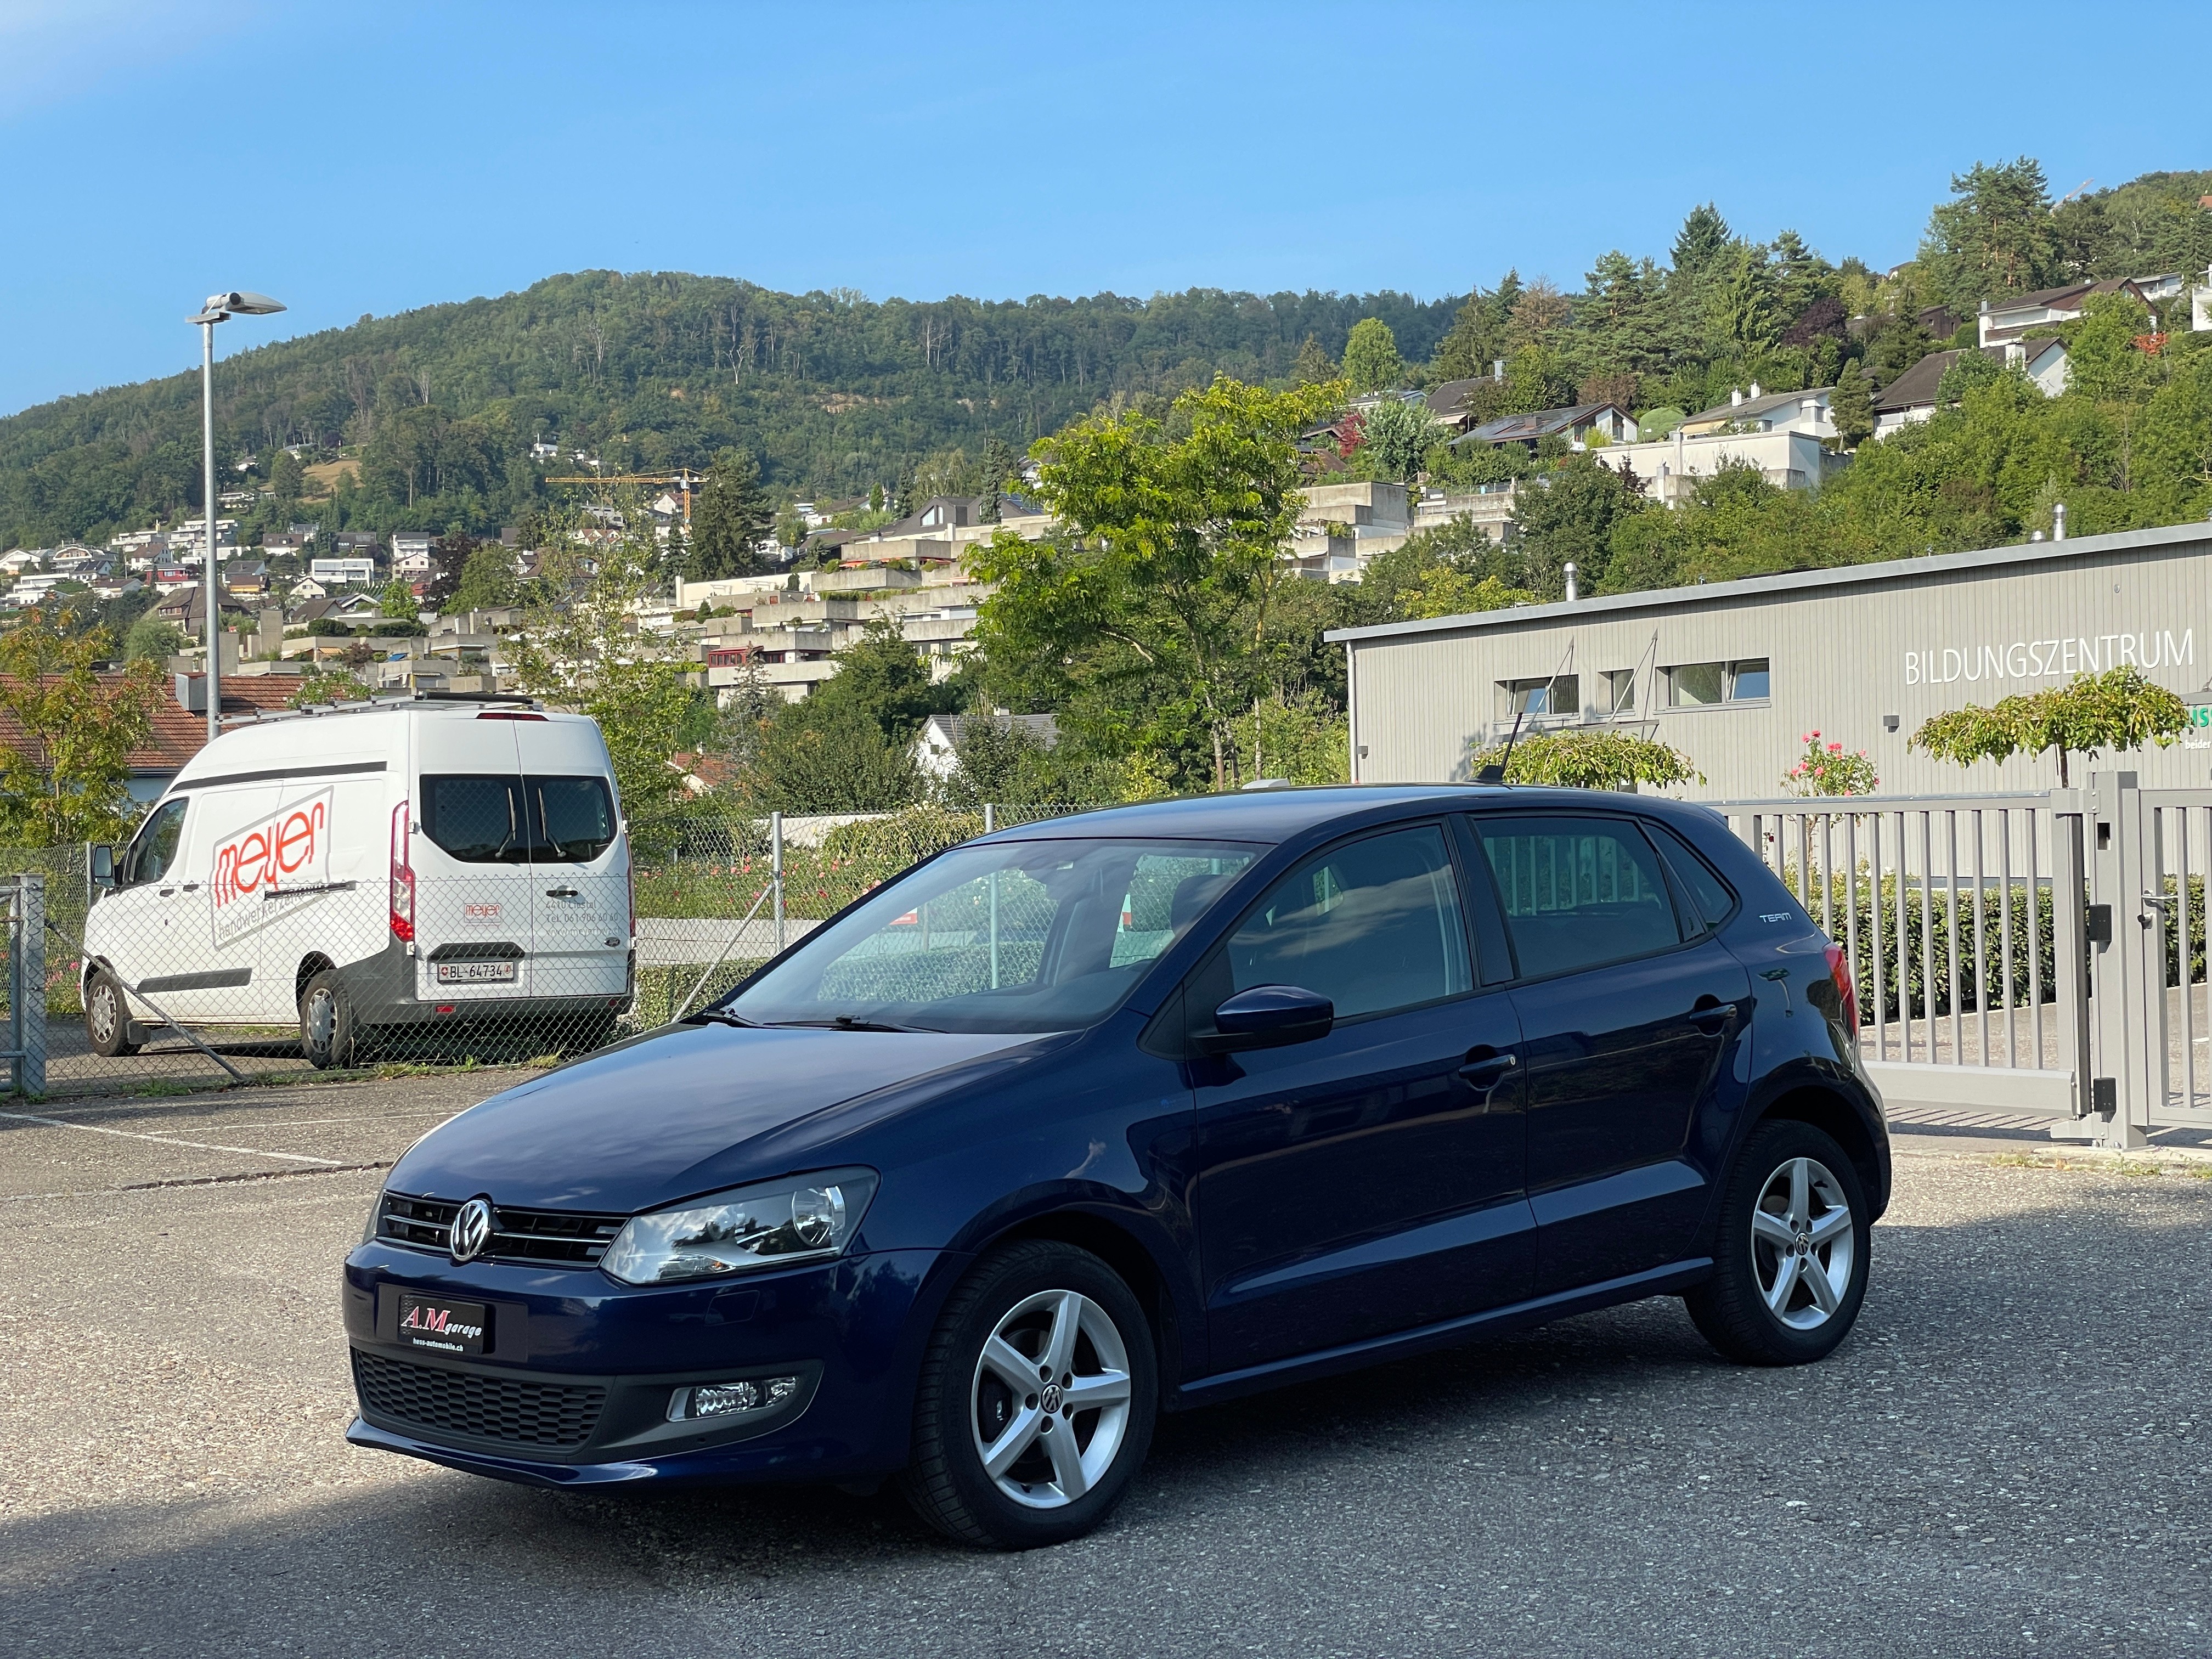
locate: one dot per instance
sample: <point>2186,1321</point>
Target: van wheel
<point>328,1035</point>
<point>107,1016</point>
<point>1035,1401</point>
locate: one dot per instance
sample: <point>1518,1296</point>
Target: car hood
<point>686,1110</point>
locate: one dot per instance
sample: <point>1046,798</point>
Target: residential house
<point>1613,423</point>
<point>168,575</point>
<point>2032,314</point>
<point>32,588</point>
<point>2200,304</point>
<point>282,543</point>
<point>342,608</point>
<point>545,450</point>
<point>22,561</point>
<point>178,730</point>
<point>410,552</point>
<point>1449,403</point>
<point>246,578</point>
<point>1340,526</point>
<point>1784,434</point>
<point>183,607</point>
<point>306,588</point>
<point>936,748</point>
<point>342,572</point>
<point>75,559</point>
<point>1911,396</point>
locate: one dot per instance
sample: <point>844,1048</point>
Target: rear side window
<point>572,819</point>
<point>476,819</point>
<point>1373,925</point>
<point>1577,892</point>
<point>1710,896</point>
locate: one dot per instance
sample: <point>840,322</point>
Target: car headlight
<point>775,1224</point>
<point>375,1215</point>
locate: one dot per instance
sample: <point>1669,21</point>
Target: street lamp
<point>220,307</point>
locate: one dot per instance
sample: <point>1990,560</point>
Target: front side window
<point>1577,892</point>
<point>1015,936</point>
<point>153,852</point>
<point>1373,925</point>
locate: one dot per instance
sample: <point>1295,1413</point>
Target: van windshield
<point>1013,936</point>
<point>487,818</point>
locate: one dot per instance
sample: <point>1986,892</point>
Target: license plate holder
<point>476,973</point>
<point>443,1325</point>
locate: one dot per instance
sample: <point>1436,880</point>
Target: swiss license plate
<point>476,973</point>
<point>427,1322</point>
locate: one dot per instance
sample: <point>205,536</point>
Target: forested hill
<point>835,393</point>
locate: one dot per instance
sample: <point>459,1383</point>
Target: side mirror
<point>99,866</point>
<point>1268,1017</point>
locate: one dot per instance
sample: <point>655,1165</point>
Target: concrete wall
<point>1847,650</point>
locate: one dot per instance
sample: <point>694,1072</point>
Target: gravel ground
<point>2006,1458</point>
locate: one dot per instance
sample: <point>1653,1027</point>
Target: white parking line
<point>170,1140</point>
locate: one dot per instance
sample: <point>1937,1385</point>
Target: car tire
<point>1791,1252</point>
<point>977,1400</point>
<point>329,1035</point>
<point>107,1016</point>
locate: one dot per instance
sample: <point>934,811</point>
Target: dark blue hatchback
<point>1133,1111</point>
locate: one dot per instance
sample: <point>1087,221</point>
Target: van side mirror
<point>99,867</point>
<point>1267,1017</point>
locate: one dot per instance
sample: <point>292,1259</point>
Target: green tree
<point>1371,363</point>
<point>66,776</point>
<point>1570,519</point>
<point>2117,709</point>
<point>488,580</point>
<point>829,759</point>
<point>1149,619</point>
<point>1994,237</point>
<point>2102,361</point>
<point>397,601</point>
<point>1589,760</point>
<point>1394,438</point>
<point>324,685</point>
<point>1851,407</point>
<point>1314,365</point>
<point>583,650</point>
<point>449,557</point>
<point>1705,236</point>
<point>287,479</point>
<point>151,640</point>
<point>884,677</point>
<point>998,471</point>
<point>790,528</point>
<point>729,519</point>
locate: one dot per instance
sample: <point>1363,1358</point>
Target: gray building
<point>1735,674</point>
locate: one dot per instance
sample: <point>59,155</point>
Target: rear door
<point>579,860</point>
<point>1628,1015</point>
<point>470,862</point>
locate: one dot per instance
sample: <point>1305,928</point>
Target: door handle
<point>1714,1019</point>
<point>562,893</point>
<point>189,887</point>
<point>1484,1074</point>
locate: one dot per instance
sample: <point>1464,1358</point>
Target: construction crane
<point>683,480</point>
<point>2071,194</point>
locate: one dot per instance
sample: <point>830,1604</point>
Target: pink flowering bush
<point>1825,769</point>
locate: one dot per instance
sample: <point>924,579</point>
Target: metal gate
<point>2037,954</point>
<point>24,898</point>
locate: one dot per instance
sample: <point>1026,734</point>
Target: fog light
<point>731,1399</point>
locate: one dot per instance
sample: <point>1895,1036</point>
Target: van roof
<point>361,728</point>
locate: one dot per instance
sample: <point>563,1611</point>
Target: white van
<point>405,866</point>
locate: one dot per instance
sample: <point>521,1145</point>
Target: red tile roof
<point>178,734</point>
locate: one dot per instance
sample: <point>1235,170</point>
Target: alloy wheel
<point>1050,1405</point>
<point>1802,1243</point>
<point>106,1017</point>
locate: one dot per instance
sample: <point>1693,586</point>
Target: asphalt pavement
<point>2010,1455</point>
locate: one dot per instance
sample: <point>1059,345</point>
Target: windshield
<point>1019,936</point>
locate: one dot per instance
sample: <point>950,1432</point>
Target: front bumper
<point>574,1385</point>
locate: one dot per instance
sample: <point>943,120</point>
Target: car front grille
<point>517,1234</point>
<point>522,1413</point>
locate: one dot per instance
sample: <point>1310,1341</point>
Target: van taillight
<point>630,871</point>
<point>1839,969</point>
<point>403,880</point>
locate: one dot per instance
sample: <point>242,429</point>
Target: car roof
<point>1275,815</point>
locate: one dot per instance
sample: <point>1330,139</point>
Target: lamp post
<point>220,308</point>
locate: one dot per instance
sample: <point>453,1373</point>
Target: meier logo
<point>254,867</point>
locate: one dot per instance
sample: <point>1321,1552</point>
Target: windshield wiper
<point>846,1023</point>
<point>718,1016</point>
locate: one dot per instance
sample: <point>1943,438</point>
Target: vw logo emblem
<point>1048,1398</point>
<point>471,1230</point>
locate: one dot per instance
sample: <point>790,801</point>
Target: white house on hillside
<point>1911,396</point>
<point>1780,433</point>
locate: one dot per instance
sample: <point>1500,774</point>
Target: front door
<point>1626,1015</point>
<point>1371,1181</point>
<point>136,928</point>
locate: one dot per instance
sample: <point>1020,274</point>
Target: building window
<point>1702,685</point>
<point>1560,696</point>
<point>1618,692</point>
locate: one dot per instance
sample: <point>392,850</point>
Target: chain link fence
<point>180,982</point>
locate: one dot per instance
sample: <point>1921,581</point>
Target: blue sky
<point>372,158</point>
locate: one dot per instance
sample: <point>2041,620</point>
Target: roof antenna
<point>1495,773</point>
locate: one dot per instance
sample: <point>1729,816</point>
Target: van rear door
<point>471,862</point>
<point>580,868</point>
